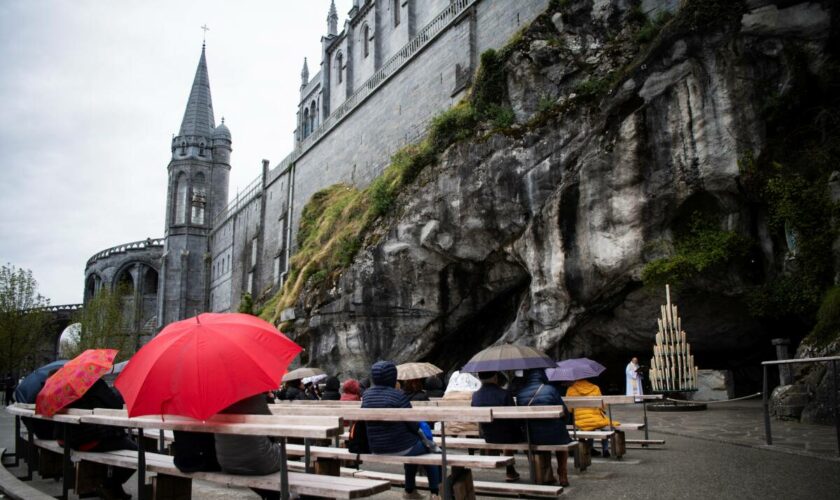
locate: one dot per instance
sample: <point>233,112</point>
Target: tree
<point>23,320</point>
<point>246,304</point>
<point>104,326</point>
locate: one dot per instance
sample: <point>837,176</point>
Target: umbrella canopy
<point>201,365</point>
<point>314,379</point>
<point>412,371</point>
<point>302,373</point>
<point>72,380</point>
<point>462,382</point>
<point>574,369</point>
<point>507,357</point>
<point>31,384</point>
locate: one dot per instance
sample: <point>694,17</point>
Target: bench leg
<point>49,464</point>
<point>171,488</point>
<point>542,468</point>
<point>618,444</point>
<point>327,467</point>
<point>462,484</point>
<point>89,475</point>
<point>585,457</point>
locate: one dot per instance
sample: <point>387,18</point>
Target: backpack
<point>358,442</point>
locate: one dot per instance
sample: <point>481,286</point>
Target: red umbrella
<point>73,380</point>
<point>201,365</point>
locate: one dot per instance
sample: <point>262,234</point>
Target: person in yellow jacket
<point>590,419</point>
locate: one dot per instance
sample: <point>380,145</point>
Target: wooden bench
<point>171,483</point>
<point>13,487</point>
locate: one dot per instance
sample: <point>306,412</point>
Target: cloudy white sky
<point>91,92</point>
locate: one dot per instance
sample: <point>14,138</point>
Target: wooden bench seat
<point>12,487</point>
<point>506,490</point>
<point>465,461</point>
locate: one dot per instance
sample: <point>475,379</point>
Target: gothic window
<point>180,199</point>
<point>395,4</point>
<point>199,199</point>
<point>201,149</point>
<point>313,116</point>
<point>366,41</point>
<point>249,286</point>
<point>150,282</point>
<point>305,123</point>
<point>124,284</point>
<point>339,64</point>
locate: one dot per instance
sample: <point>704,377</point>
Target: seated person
<point>590,419</point>
<point>414,390</point>
<point>249,455</point>
<point>433,387</point>
<point>499,431</point>
<point>331,388</point>
<point>536,391</point>
<point>396,438</point>
<point>92,437</point>
<point>195,451</point>
<point>351,390</point>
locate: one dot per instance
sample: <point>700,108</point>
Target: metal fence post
<point>766,400</point>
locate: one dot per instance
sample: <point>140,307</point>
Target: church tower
<point>197,191</point>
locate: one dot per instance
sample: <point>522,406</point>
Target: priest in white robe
<point>634,379</point>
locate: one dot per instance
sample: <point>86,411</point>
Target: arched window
<point>366,40</point>
<point>395,4</point>
<point>305,123</point>
<point>180,199</point>
<point>199,199</point>
<point>313,116</point>
<point>150,282</point>
<point>124,285</point>
<point>339,64</point>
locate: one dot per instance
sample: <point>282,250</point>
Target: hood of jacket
<point>384,373</point>
<point>585,388</point>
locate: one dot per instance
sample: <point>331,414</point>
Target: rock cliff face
<point>539,233</point>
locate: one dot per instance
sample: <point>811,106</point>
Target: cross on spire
<point>204,37</point>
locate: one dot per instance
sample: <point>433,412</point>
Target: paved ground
<point>718,453</point>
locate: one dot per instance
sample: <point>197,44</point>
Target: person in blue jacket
<point>396,438</point>
<point>536,391</point>
<point>500,431</point>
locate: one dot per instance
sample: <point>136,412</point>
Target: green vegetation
<point>702,248</point>
<point>827,328</point>
<point>651,27</point>
<point>22,323</point>
<point>592,88</point>
<point>246,304</point>
<point>103,326</point>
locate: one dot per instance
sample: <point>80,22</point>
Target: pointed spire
<point>332,20</point>
<point>304,74</point>
<point>198,117</point>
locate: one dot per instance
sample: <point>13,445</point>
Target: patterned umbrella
<point>574,369</point>
<point>413,371</point>
<point>302,373</point>
<point>73,380</point>
<point>507,357</point>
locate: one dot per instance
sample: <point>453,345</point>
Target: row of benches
<point>171,483</point>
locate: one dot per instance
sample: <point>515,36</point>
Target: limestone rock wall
<point>540,235</point>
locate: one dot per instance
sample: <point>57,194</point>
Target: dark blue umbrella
<point>574,369</point>
<point>31,385</point>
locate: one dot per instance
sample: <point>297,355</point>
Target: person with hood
<point>396,438</point>
<point>434,387</point>
<point>292,391</point>
<point>590,419</point>
<point>249,455</point>
<point>351,390</point>
<point>331,387</point>
<point>536,391</point>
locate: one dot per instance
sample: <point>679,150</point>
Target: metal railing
<point>135,245</point>
<point>242,198</point>
<point>768,437</point>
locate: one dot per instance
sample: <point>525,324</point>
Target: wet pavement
<point>718,453</point>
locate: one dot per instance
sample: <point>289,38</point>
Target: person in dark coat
<point>499,431</point>
<point>249,455</point>
<point>93,437</point>
<point>536,391</point>
<point>396,438</point>
<point>331,387</point>
<point>434,387</point>
<point>292,391</point>
<point>414,390</point>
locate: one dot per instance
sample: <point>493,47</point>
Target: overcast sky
<point>91,92</point>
